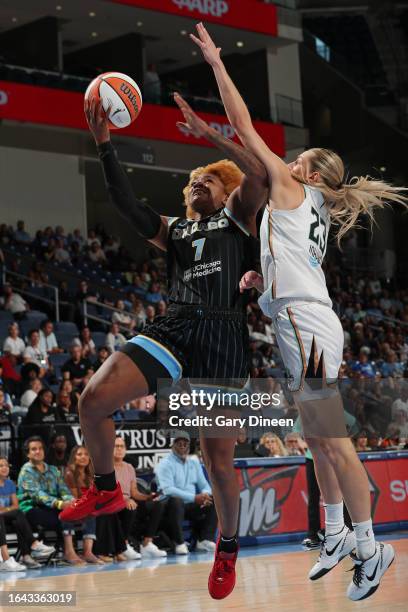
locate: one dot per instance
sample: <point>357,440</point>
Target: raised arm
<point>237,110</point>
<point>251,195</point>
<point>146,221</point>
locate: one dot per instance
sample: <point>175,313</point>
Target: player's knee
<point>219,472</point>
<point>90,402</point>
<point>321,448</point>
<point>335,452</point>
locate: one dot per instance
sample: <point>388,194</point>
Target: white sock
<point>365,539</point>
<point>334,518</point>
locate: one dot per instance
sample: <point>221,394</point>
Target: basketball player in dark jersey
<point>203,335</point>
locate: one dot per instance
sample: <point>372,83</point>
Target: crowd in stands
<point>151,521</point>
<point>374,316</point>
<point>45,365</point>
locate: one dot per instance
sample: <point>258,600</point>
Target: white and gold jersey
<point>293,245</point>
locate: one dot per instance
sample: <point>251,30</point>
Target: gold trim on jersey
<point>300,343</point>
<point>270,242</point>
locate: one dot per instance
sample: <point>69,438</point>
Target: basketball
<point>120,93</point>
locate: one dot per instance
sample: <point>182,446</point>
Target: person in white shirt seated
<point>31,393</point>
<point>61,253</point>
<point>401,403</point>
<point>13,344</point>
<point>123,317</point>
<point>96,253</point>
<point>114,339</point>
<point>34,354</point>
<point>85,342</point>
<point>13,302</point>
<point>48,341</point>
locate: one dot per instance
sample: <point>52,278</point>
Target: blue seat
<point>66,327</point>
<point>54,388</point>
<point>99,338</point>
<point>64,340</point>
<point>131,415</point>
<point>26,325</point>
<point>58,359</point>
<point>5,315</point>
<point>36,314</point>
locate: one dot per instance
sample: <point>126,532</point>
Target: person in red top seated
<point>9,377</point>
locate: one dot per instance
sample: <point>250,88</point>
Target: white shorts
<point>310,338</point>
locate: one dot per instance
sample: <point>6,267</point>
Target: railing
<point>289,110</point>
<point>87,315</point>
<point>59,80</point>
<point>289,4</point>
<point>51,73</point>
<point>382,317</point>
<point>36,296</point>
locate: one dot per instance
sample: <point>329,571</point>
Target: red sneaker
<point>221,581</point>
<point>94,503</point>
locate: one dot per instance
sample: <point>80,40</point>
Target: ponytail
<point>360,196</point>
<point>348,200</point>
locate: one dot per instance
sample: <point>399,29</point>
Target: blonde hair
<point>228,173</point>
<point>271,436</point>
<point>347,200</point>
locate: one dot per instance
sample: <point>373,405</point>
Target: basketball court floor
<point>269,578</point>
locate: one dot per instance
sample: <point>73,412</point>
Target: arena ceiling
<point>87,22</point>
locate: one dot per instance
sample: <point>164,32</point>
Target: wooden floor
<point>275,582</point>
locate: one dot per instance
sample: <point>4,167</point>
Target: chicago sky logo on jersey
<point>186,228</point>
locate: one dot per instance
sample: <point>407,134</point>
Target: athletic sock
<point>365,541</point>
<point>228,545</point>
<point>105,482</point>
<point>334,518</point>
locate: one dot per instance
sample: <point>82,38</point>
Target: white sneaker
<point>11,565</point>
<point>131,554</point>
<point>206,545</point>
<point>181,549</point>
<point>31,563</point>
<point>42,550</point>
<point>333,549</point>
<point>368,573</point>
<point>151,550</point>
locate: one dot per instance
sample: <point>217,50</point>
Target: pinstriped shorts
<point>205,348</point>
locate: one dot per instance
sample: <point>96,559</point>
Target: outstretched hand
<point>97,119</point>
<point>210,52</point>
<point>193,124</point>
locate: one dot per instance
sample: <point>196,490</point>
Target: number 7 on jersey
<point>198,245</point>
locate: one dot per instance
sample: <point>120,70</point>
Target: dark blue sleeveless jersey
<point>206,260</point>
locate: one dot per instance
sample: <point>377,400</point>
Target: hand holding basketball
<point>97,120</point>
<point>120,96</point>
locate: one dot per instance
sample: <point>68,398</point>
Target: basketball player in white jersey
<point>304,197</point>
